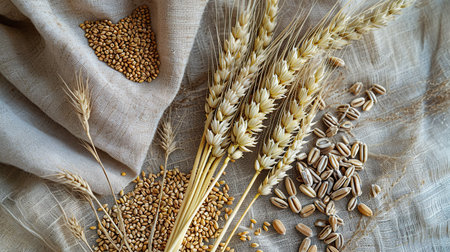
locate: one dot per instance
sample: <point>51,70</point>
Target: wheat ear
<point>215,135</point>
<point>279,172</point>
<point>77,184</point>
<point>80,99</point>
<point>293,112</point>
<point>75,228</point>
<point>232,53</point>
<point>168,144</point>
<point>219,127</point>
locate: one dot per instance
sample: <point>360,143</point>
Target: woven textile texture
<point>407,131</point>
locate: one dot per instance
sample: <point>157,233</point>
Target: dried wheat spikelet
<point>232,53</point>
<point>219,127</point>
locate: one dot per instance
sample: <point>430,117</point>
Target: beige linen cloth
<point>407,130</point>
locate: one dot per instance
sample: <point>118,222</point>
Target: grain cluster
<point>128,46</point>
<point>140,205</point>
<point>329,173</point>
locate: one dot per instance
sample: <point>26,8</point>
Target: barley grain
<point>356,88</point>
<point>304,246</point>
<point>304,229</point>
<point>379,89</point>
<point>358,102</point>
<point>307,210</point>
<point>279,227</point>
<point>279,202</point>
<point>365,210</point>
<point>279,194</point>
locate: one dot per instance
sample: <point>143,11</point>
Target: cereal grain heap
<point>128,46</point>
<point>139,207</point>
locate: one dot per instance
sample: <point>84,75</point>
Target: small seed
<point>333,161</point>
<point>329,120</point>
<point>279,227</point>
<point>303,229</point>
<point>320,206</point>
<point>307,210</point>
<point>266,223</point>
<point>355,149</point>
<point>356,186</point>
<point>327,198</point>
<point>336,62</point>
<point>345,139</point>
<point>363,152</point>
<point>320,223</point>
<point>318,132</point>
<point>340,194</point>
<point>339,241</point>
<point>347,125</point>
<point>365,210</point>
<point>358,102</point>
<point>304,245</point>
<point>331,238</point>
<point>313,155</point>
<point>279,202</point>
<point>253,221</point>
<point>306,176</point>
<point>279,193</point>
<point>356,88</point>
<point>371,96</point>
<point>294,204</point>
<point>322,190</point>
<point>368,105</point>
<point>323,143</point>
<point>323,162</point>
<point>353,114</point>
<point>332,249</point>
<point>343,149</point>
<point>301,156</point>
<point>265,228</point>
<point>313,248</point>
<point>339,183</point>
<point>333,223</point>
<point>290,186</point>
<point>325,232</point>
<point>349,172</point>
<point>316,178</point>
<point>326,174</point>
<point>343,108</point>
<point>379,89</point>
<point>332,130</point>
<point>330,209</point>
<point>376,189</point>
<point>123,174</point>
<point>352,204</point>
<point>254,245</point>
<point>307,190</point>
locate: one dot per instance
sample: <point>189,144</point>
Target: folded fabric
<point>40,41</point>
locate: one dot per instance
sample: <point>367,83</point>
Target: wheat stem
<point>240,221</point>
<point>233,214</point>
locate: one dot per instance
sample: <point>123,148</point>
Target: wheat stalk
<point>216,135</point>
<point>279,172</point>
<point>169,145</point>
<point>80,99</point>
<point>292,113</point>
<point>77,184</point>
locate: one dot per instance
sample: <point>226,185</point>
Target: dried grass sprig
<point>80,99</point>
<point>77,184</point>
<point>168,144</point>
<point>232,53</point>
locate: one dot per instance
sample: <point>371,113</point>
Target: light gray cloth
<point>407,133</point>
<point>40,40</point>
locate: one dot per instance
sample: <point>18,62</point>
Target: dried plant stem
<point>80,99</point>
<point>102,228</point>
<point>74,227</point>
<point>167,135</point>
<point>233,214</point>
<point>240,220</point>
